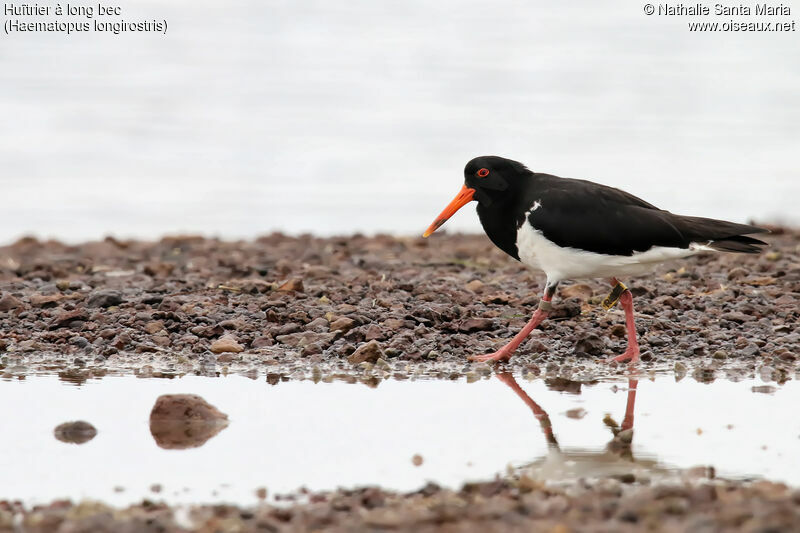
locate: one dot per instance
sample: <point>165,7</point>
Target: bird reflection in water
<point>616,460</point>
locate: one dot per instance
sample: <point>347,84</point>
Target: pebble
<point>590,344</point>
<point>104,298</point>
<point>475,285</point>
<point>226,343</point>
<point>9,302</point>
<point>64,318</point>
<point>764,389</point>
<point>476,324</point>
<point>580,291</point>
<point>369,352</point>
<point>342,324</point>
<point>293,284</point>
<point>318,324</point>
<point>78,432</point>
<point>154,327</point>
<point>180,421</point>
<point>45,300</point>
<point>618,330</point>
<point>576,413</point>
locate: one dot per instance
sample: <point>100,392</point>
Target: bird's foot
<point>499,356</point>
<point>631,353</point>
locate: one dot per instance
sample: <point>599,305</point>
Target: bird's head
<point>490,180</point>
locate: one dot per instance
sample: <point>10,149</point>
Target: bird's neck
<point>500,224</point>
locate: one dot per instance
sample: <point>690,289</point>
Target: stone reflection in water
<point>616,460</point>
<point>181,421</point>
<point>77,432</point>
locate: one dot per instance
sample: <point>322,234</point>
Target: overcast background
<point>338,117</point>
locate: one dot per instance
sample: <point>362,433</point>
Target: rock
<point>158,269</point>
<point>369,352</point>
<point>581,291</point>
<point>750,350</point>
<point>306,338</point>
<point>63,319</point>
<point>261,342</point>
<point>293,284</point>
<point>590,344</point>
<point>618,330</point>
<point>226,343</point>
<point>9,302</point>
<point>161,340</point>
<point>318,324</point>
<point>567,308</point>
<point>45,300</point>
<point>576,413</point>
<point>764,389</point>
<point>154,327</point>
<point>704,374</point>
<point>760,281</point>
<point>537,346</point>
<point>75,432</point>
<point>235,324</point>
<point>736,273</point>
<point>104,298</point>
<point>180,421</point>
<point>80,342</point>
<point>393,324</point>
<point>374,332</point>
<point>475,285</point>
<point>288,328</point>
<point>476,324</point>
<point>342,324</point>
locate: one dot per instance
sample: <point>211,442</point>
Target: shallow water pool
<point>322,436</point>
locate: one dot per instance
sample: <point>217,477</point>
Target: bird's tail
<point>719,234</point>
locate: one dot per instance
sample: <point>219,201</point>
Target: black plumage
<point>589,216</point>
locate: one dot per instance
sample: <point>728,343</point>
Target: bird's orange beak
<point>463,197</point>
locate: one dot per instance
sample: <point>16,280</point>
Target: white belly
<point>570,263</point>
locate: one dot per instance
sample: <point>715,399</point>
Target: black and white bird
<point>573,229</point>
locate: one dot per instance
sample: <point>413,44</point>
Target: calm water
<point>337,117</point>
<point>324,436</point>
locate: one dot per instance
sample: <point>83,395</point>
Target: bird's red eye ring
<point>482,173</point>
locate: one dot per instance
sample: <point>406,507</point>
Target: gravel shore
<point>503,505</point>
<point>311,307</point>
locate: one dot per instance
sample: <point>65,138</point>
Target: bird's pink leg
<point>504,353</point>
<point>632,353</point>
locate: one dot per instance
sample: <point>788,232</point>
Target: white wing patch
<point>536,205</point>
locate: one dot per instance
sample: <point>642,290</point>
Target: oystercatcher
<point>573,229</point>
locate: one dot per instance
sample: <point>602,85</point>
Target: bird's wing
<point>596,218</point>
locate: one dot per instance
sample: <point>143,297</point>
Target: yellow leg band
<point>614,296</point>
